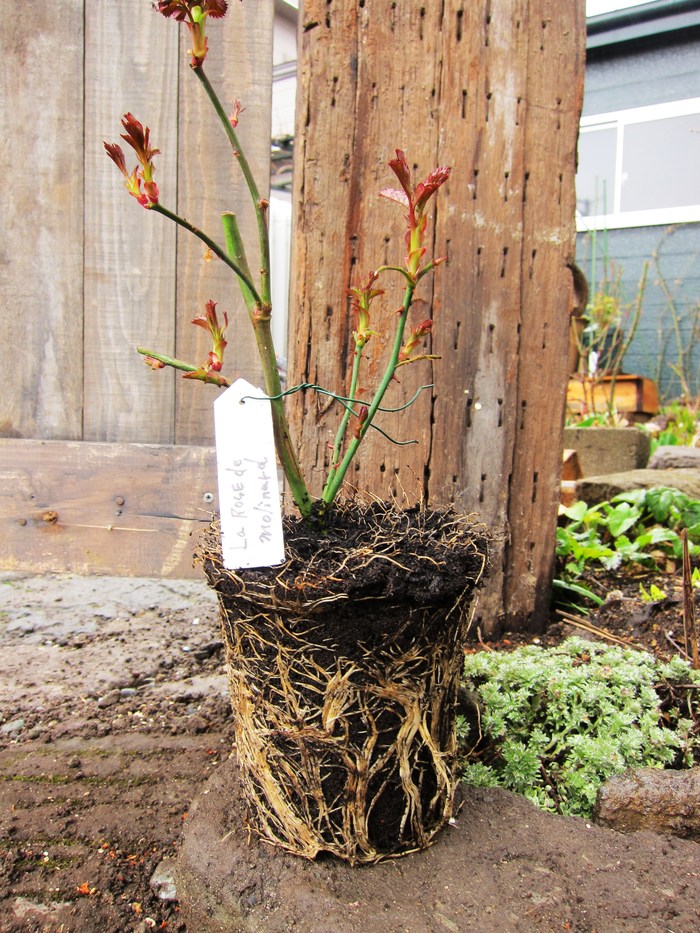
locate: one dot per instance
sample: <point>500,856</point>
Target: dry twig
<point>690,631</point>
<point>581,623</point>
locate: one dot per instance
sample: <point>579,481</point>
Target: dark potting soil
<point>375,557</point>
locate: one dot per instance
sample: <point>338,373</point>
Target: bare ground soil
<point>114,716</point>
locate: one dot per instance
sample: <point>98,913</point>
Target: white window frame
<point>619,119</point>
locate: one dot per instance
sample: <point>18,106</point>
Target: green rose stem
<point>259,203</point>
<point>259,306</point>
<point>342,427</point>
<point>335,479</point>
<point>260,317</point>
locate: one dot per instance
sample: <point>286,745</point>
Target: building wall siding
<point>637,75</point>
<point>645,74</point>
<point>673,254</point>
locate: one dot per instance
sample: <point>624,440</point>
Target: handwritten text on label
<point>249,498</point>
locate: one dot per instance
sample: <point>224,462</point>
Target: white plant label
<point>249,494</point>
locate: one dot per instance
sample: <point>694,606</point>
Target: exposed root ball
<point>343,669</point>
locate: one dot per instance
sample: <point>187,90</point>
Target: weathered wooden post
<point>495,91</point>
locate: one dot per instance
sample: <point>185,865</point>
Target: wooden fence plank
<point>131,65</point>
<point>124,509</point>
<point>41,257</point>
<point>239,65</point>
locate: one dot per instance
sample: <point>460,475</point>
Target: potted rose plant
<point>344,660</point>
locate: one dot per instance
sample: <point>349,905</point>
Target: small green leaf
<point>575,512</point>
<point>653,595</point>
<point>622,518</point>
<point>566,586</point>
<point>655,535</point>
<point>662,500</point>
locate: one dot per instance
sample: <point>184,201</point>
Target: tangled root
<point>343,669</point>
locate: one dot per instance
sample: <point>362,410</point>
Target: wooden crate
<point>629,395</point>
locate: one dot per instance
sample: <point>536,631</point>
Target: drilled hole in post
<point>500,412</point>
<point>387,242</point>
<point>393,18</point>
<point>535,478</point>
<point>523,406</point>
<point>531,548</point>
<point>503,261</point>
<point>481,487</point>
<point>460,17</point>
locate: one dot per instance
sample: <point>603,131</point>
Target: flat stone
<point>652,799</point>
<point>608,450</point>
<point>594,489</point>
<point>109,699</point>
<point>14,726</point>
<point>675,457</point>
<point>208,650</point>
<point>162,881</point>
